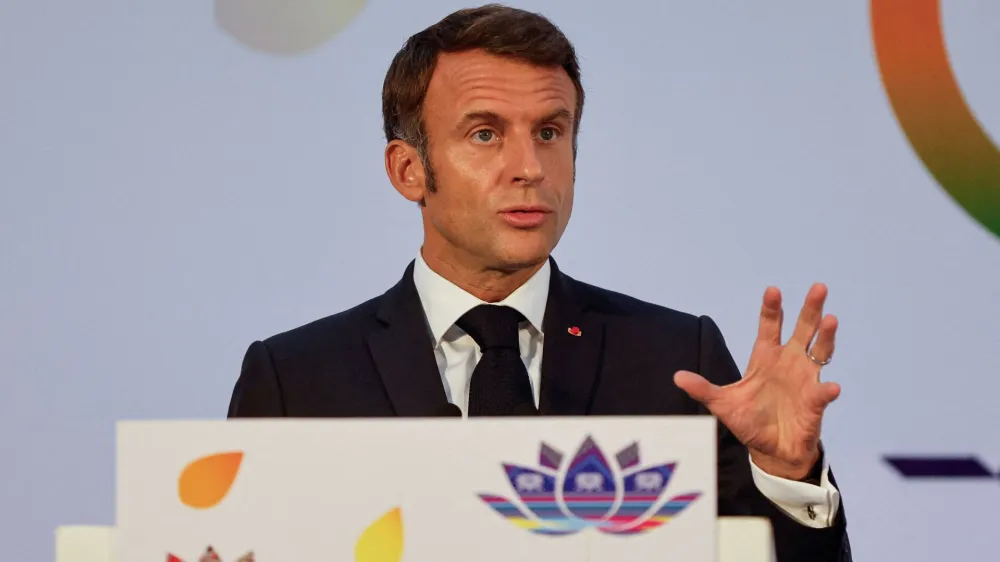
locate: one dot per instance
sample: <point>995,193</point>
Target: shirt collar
<point>444,302</point>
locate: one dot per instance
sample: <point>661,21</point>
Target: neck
<point>484,283</point>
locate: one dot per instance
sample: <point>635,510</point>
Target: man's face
<point>501,150</point>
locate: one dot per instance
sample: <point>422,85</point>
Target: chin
<point>523,258</point>
<point>523,249</point>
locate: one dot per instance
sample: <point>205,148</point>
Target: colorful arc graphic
<point>930,107</point>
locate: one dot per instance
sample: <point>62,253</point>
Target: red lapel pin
<point>574,331</point>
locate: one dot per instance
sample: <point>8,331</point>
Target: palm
<point>776,409</point>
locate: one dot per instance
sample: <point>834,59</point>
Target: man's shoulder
<point>343,329</point>
<point>619,306</point>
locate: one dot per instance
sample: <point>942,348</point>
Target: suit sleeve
<point>738,495</point>
<point>257,393</point>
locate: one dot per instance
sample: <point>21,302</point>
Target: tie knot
<point>492,326</point>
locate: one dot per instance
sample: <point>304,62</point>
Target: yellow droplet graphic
<point>382,541</point>
<point>206,481</point>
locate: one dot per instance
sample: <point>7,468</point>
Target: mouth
<point>526,216</point>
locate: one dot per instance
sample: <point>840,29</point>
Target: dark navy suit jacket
<point>375,360</point>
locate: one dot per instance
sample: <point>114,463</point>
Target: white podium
<point>407,490</point>
<point>740,539</point>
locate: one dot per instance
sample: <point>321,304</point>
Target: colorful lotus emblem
<point>586,492</point>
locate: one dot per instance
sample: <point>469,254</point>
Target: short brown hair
<point>494,28</point>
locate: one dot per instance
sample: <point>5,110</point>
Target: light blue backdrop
<point>168,195</point>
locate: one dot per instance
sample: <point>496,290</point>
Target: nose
<point>525,164</point>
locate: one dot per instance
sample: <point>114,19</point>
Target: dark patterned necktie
<point>500,384</point>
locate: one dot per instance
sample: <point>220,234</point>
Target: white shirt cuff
<point>813,506</point>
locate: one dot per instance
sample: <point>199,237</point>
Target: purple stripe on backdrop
<point>939,467</point>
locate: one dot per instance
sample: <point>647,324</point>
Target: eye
<point>484,135</point>
<point>548,134</point>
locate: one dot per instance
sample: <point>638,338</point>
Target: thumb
<point>826,393</point>
<point>697,387</point>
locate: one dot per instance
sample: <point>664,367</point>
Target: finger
<point>809,316</point>
<point>698,388</point>
<point>822,350</point>
<point>826,393</point>
<point>771,317</point>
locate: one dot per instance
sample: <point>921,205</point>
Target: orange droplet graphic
<point>382,541</point>
<point>206,481</point>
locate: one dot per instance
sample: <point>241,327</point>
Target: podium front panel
<point>442,490</point>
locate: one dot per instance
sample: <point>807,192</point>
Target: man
<point>481,115</point>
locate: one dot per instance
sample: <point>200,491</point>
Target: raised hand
<point>776,410</point>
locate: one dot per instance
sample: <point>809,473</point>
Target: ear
<point>405,170</point>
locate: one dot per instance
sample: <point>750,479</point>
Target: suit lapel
<point>403,354</point>
<point>573,349</point>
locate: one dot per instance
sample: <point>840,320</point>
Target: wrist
<point>809,468</point>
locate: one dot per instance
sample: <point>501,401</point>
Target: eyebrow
<point>494,118</point>
<point>561,113</point>
<point>489,116</point>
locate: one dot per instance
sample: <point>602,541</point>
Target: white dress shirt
<point>457,355</point>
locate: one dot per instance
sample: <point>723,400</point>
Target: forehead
<point>476,80</point>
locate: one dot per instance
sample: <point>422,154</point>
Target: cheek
<point>558,160</point>
<point>560,168</point>
<point>566,208</point>
<point>456,205</point>
<point>464,179</point>
<point>474,180</point>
